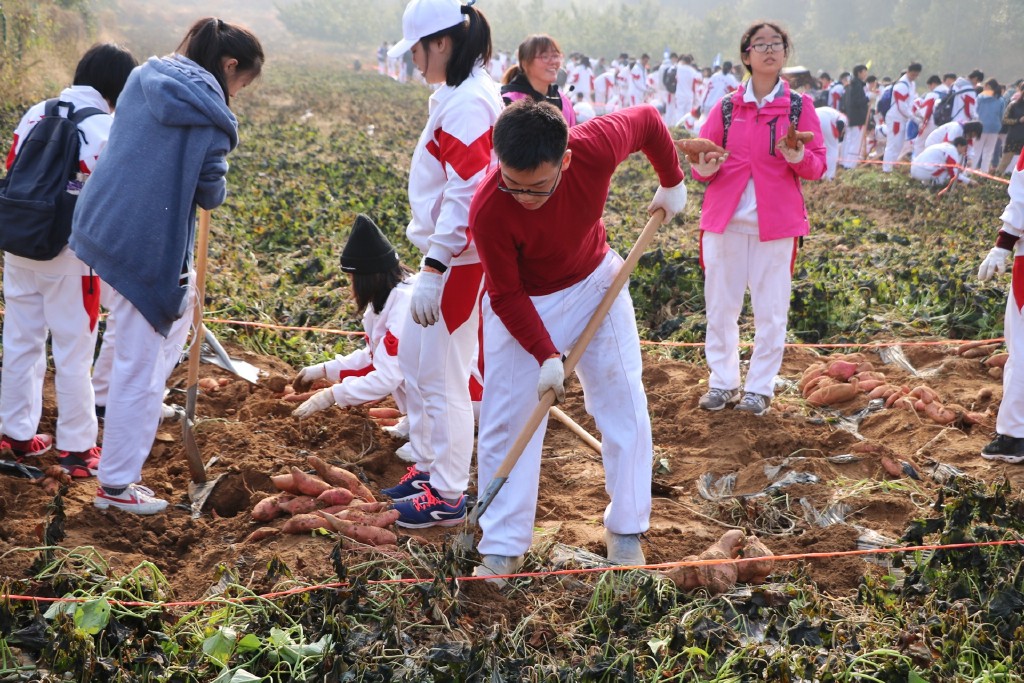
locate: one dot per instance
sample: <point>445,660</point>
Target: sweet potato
<point>984,394</point>
<point>381,519</point>
<point>335,496</point>
<point>841,370</point>
<point>998,360</point>
<point>337,476</point>
<point>685,578</point>
<point>793,136</point>
<point>386,421</point>
<point>299,505</point>
<point>209,384</point>
<point>301,524</point>
<point>974,418</point>
<point>896,395</point>
<point>906,403</point>
<point>379,506</point>
<point>926,394</point>
<point>307,483</point>
<point>995,373</point>
<point>285,482</point>
<point>810,374</point>
<point>757,571</point>
<point>939,413</point>
<point>718,578</point>
<point>269,508</point>
<point>693,148</point>
<point>261,533</point>
<point>866,366</point>
<point>891,467</point>
<point>882,391</point>
<point>837,393</point>
<point>870,384</point>
<point>384,413</point>
<point>865,375</point>
<point>960,350</point>
<point>371,535</point>
<point>819,382</point>
<point>979,351</point>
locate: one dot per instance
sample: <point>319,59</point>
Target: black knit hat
<point>367,250</point>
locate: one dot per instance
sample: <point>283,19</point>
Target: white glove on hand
<point>304,380</point>
<point>426,298</point>
<point>793,156</point>
<point>994,263</point>
<point>671,199</point>
<point>708,167</point>
<point>321,400</point>
<point>552,376</point>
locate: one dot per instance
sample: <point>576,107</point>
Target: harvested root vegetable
<point>793,136</point>
<point>895,396</point>
<point>810,373</point>
<point>307,483</point>
<point>984,394</point>
<point>939,413</point>
<point>209,384</point>
<point>371,535</point>
<point>285,482</point>
<point>379,506</point>
<point>382,519</point>
<point>837,393</point>
<point>685,578</point>
<point>841,370</point>
<point>882,391</point>
<point>755,571</point>
<point>995,373</point>
<point>301,524</point>
<point>337,476</point>
<point>963,348</point>
<point>865,375</point>
<point>891,467</point>
<point>299,505</point>
<point>865,447</point>
<point>384,413</point>
<point>870,384</point>
<point>269,508</point>
<point>819,382</point>
<point>335,496</point>
<point>718,578</point>
<point>979,351</point>
<point>974,418</point>
<point>386,421</point>
<point>866,366</point>
<point>998,360</point>
<point>261,533</point>
<point>926,394</point>
<point>693,148</point>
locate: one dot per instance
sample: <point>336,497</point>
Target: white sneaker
<point>135,498</point>
<point>404,452</point>
<point>400,430</point>
<point>624,548</point>
<point>498,565</point>
<point>168,412</point>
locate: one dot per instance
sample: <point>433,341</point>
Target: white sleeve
<point>1013,214</point>
<point>353,362</point>
<point>385,377</point>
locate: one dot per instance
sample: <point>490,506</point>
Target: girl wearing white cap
<point>451,45</point>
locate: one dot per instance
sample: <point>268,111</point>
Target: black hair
<point>824,74</point>
<point>845,74</point>
<point>529,50</point>
<point>105,67</point>
<point>960,141</point>
<point>948,76</point>
<point>726,66</point>
<point>914,66</point>
<point>871,79</point>
<point>974,127</point>
<point>211,40</point>
<point>748,35</point>
<point>934,78</point>
<point>528,134</point>
<point>977,74</point>
<point>375,288</point>
<point>471,43</point>
<point>860,68</point>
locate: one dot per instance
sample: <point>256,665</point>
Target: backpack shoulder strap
<point>84,113</point>
<point>52,107</point>
<point>726,118</point>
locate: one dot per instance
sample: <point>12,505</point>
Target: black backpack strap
<point>83,114</point>
<point>52,107</point>
<point>726,118</point>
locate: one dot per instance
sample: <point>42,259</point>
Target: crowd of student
<point>507,186</point>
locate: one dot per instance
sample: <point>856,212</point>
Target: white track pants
<point>173,346</point>
<point>734,262</point>
<point>66,308</point>
<point>851,146</point>
<point>1010,419</point>
<point>136,392</point>
<point>983,155</point>
<point>610,374</point>
<point>831,156</point>
<point>441,421</point>
<point>894,141</point>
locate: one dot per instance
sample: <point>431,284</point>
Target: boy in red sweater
<point>537,224</point>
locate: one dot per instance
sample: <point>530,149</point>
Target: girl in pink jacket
<point>753,216</point>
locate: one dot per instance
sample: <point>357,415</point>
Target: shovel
<point>199,488</point>
<point>464,541</point>
<point>215,354</point>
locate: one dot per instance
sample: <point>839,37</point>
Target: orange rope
<point>970,171</point>
<point>560,572</point>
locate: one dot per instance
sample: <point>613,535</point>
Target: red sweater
<point>530,253</point>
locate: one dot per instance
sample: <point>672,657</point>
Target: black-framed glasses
<point>529,193</point>
<point>766,47</point>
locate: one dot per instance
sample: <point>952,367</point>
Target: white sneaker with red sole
<point>135,498</point>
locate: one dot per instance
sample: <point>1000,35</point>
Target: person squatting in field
<point>450,44</point>
<point>1008,445</point>
<point>60,296</point>
<point>941,162</point>
<point>134,226</point>
<point>752,218</point>
<point>381,288</point>
<point>547,264</point>
<point>535,75</point>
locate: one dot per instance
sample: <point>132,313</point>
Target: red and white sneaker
<point>80,464</point>
<point>34,447</point>
<point>135,498</point>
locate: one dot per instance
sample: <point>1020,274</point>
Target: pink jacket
<point>780,200</point>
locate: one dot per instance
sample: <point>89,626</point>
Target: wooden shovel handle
<point>548,399</point>
<point>202,243</point>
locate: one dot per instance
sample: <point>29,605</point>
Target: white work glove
<point>709,167</point>
<point>304,380</point>
<point>671,199</point>
<point>425,305</point>
<point>994,263</point>
<point>321,400</point>
<point>793,156</point>
<point>552,376</point>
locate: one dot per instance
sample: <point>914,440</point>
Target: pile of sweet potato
<point>995,362</point>
<point>333,499</point>
<point>718,578</point>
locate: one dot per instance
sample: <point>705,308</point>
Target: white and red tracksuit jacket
<point>453,154</point>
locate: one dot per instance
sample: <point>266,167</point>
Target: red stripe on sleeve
<point>11,154</point>
<point>391,344</point>
<point>466,160</point>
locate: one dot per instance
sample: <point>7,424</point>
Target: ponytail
<point>471,44</point>
<point>510,74</point>
<point>211,40</point>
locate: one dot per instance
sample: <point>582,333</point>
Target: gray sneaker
<point>755,404</point>
<point>624,548</point>
<point>497,565</point>
<point>716,399</point>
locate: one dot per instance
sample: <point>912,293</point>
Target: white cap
<point>423,18</point>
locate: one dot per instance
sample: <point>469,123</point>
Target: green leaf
<point>93,616</point>
<point>658,644</point>
<point>914,677</point>
<point>236,676</point>
<point>60,608</point>
<point>220,645</point>
<point>249,642</point>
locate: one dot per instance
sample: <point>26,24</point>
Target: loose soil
<point>248,429</point>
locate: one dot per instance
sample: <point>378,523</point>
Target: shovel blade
<point>199,492</point>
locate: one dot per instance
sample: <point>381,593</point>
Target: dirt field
<point>250,431</point>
